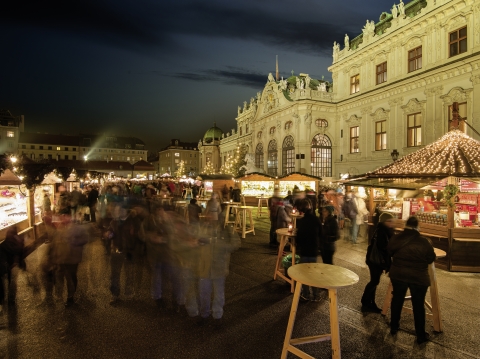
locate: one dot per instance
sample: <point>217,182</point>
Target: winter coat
<point>11,253</point>
<point>380,239</point>
<point>362,210</point>
<point>330,233</point>
<point>283,220</point>
<point>194,210</point>
<point>410,260</point>
<point>308,231</point>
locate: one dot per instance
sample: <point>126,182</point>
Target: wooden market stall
<point>301,180</point>
<point>254,185</point>
<point>439,184</point>
<point>215,183</point>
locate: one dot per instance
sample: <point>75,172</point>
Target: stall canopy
<point>454,154</point>
<point>51,178</point>
<point>8,178</point>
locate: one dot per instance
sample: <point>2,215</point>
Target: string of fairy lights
<point>453,153</point>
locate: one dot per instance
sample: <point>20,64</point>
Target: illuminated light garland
<point>453,153</point>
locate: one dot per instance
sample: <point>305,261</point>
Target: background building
<point>10,129</point>
<point>170,157</point>
<point>393,87</point>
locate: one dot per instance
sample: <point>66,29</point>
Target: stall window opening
<point>380,135</point>
<point>414,130</point>
<point>321,156</point>
<point>354,135</point>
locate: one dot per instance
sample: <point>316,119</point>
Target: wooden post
<point>31,211</point>
<point>371,203</point>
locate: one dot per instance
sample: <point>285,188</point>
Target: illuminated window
<point>321,156</point>
<point>177,154</point>
<point>382,73</point>
<point>321,123</point>
<point>415,59</point>
<point>414,130</point>
<point>354,84</point>
<point>58,148</point>
<point>354,135</point>
<point>458,41</point>
<point>259,156</point>
<point>462,112</point>
<point>380,135</point>
<point>272,158</point>
<point>10,134</point>
<point>288,155</point>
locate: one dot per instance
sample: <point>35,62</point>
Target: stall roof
<point>296,175</point>
<point>256,176</point>
<point>9,178</point>
<point>396,183</point>
<point>454,154</point>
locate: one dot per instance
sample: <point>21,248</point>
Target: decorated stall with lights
<point>215,183</point>
<point>255,185</point>
<point>301,180</point>
<point>440,185</point>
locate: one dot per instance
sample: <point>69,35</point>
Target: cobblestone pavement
<point>254,323</point>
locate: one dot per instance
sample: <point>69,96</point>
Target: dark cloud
<point>230,76</point>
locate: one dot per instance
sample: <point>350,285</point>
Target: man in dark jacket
<point>11,258</point>
<point>383,233</point>
<point>308,231</point>
<point>411,254</point>
<point>272,205</point>
<point>92,202</point>
<point>329,234</point>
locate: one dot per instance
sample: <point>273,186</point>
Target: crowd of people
<point>140,234</point>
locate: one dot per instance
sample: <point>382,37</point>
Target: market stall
<point>254,185</point>
<point>301,180</point>
<point>439,184</point>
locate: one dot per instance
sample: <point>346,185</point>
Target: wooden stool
<point>294,217</point>
<point>318,275</point>
<point>230,205</point>
<point>261,200</point>
<point>242,199</point>
<point>434,307</point>
<point>241,220</point>
<point>188,191</point>
<point>284,236</point>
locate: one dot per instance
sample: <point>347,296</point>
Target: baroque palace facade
<point>393,88</point>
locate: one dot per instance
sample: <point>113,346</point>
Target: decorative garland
<point>449,194</point>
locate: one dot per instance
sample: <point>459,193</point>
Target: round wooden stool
<point>318,275</point>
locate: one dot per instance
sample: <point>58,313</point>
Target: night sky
<point>160,69</point>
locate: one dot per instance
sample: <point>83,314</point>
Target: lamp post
<point>394,155</point>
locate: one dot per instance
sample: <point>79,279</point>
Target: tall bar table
<point>318,275</point>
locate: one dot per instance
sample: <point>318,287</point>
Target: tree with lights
<point>181,169</point>
<point>208,169</point>
<point>233,164</point>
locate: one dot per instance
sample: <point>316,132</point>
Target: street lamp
<point>394,155</point>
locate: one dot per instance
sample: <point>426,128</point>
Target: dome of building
<point>213,134</point>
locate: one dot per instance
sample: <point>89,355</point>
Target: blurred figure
<point>92,201</point>
<point>236,193</point>
<point>289,197</point>
<point>311,195</point>
<point>308,231</point>
<point>213,210</point>
<point>362,211</point>
<point>63,201</point>
<point>350,211</point>
<point>66,254</point>
<point>329,234</point>
<point>411,254</point>
<point>283,219</point>
<point>194,212</point>
<point>381,237</point>
<point>214,263</point>
<point>11,261</point>
<point>123,244</point>
<point>225,193</point>
<point>272,206</point>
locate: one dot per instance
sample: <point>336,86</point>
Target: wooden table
<point>318,275</point>
<point>165,200</point>
<point>285,235</point>
<point>261,200</point>
<point>294,217</point>
<point>241,220</point>
<point>230,205</point>
<point>433,307</point>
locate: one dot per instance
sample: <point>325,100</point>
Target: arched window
<point>321,156</point>
<point>272,158</point>
<point>288,155</point>
<point>272,130</point>
<point>259,156</point>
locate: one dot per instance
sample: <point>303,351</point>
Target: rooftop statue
<point>283,84</point>
<point>369,28</point>
<point>270,77</point>
<point>394,11</point>
<point>298,82</point>
<point>401,8</point>
<point>347,42</point>
<point>307,82</point>
<point>239,110</point>
<point>322,87</point>
<point>259,96</point>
